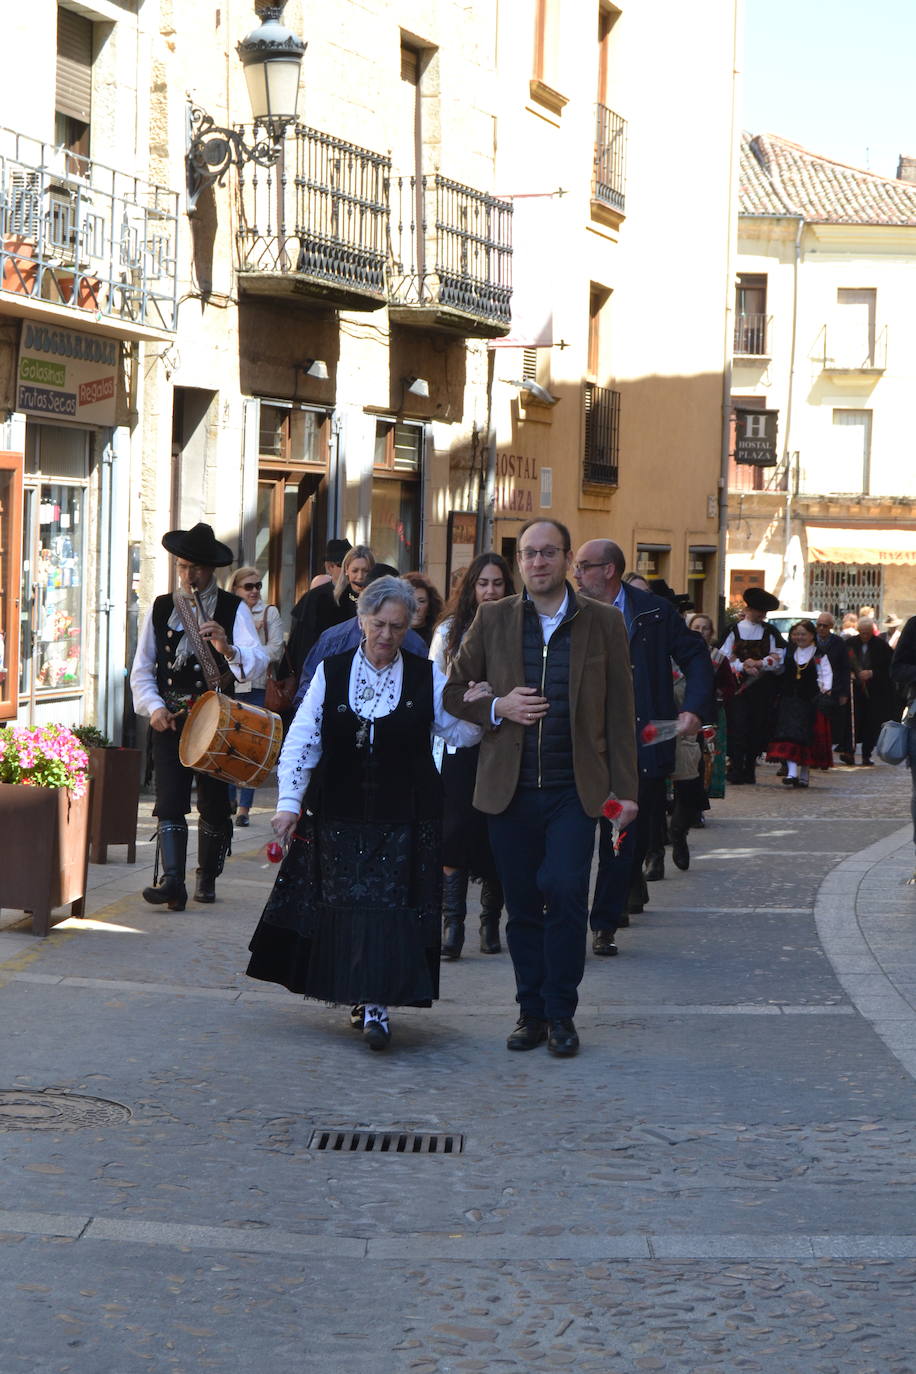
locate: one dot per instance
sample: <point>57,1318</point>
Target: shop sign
<point>462,542</point>
<point>755,437</point>
<point>64,374</point>
<point>517,489</point>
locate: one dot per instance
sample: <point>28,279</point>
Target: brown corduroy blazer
<point>600,700</point>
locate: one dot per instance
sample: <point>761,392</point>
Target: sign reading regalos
<point>66,375</point>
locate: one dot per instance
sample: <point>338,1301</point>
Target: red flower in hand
<point>274,851</point>
<point>648,733</point>
<point>611,808</point>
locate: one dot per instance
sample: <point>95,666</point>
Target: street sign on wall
<point>64,374</point>
<point>755,437</point>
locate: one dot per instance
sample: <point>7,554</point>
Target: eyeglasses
<point>580,568</point>
<point>251,586</point>
<point>548,553</point>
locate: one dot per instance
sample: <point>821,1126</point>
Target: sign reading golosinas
<point>67,374</point>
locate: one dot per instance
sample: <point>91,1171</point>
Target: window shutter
<point>74,66</point>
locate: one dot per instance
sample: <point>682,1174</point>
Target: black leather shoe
<point>562,1039</point>
<point>376,1035</point>
<point>654,867</point>
<point>528,1034</point>
<point>680,852</point>
<point>603,943</point>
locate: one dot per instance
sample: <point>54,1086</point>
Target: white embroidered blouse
<point>302,747</point>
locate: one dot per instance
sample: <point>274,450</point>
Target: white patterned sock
<point>375,1012</point>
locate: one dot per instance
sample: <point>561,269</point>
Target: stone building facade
<point>824,304</point>
<point>446,308</point>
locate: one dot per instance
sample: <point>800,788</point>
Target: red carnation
<point>611,808</point>
<point>274,851</point>
<point>649,733</point>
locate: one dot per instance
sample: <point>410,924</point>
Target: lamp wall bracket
<point>212,150</point>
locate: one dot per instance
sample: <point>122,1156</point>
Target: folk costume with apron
<point>749,713</point>
<point>801,734</point>
<point>355,911</point>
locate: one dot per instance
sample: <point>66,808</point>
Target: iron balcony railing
<point>321,213</point>
<point>843,350</point>
<point>602,436</point>
<point>751,335</point>
<point>79,234</point>
<point>452,249</point>
<point>610,158</point>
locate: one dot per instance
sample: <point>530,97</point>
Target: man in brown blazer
<point>561,742</point>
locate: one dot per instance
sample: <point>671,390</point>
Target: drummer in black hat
<point>756,650</point>
<point>191,639</point>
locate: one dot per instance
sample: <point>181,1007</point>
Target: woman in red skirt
<point>801,738</point>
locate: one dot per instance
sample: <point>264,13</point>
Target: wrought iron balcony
<point>316,224</point>
<point>751,335</point>
<point>77,234</point>
<point>610,159</point>
<point>451,263</point>
<point>602,436</point>
<point>851,354</point>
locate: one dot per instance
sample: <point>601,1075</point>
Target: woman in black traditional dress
<point>465,841</point>
<point>354,914</point>
<point>801,737</point>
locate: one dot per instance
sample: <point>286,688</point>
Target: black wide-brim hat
<point>198,545</point>
<point>760,600</point>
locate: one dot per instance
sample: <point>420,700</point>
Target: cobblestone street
<point>723,1179</point>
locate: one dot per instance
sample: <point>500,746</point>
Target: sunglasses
<point>251,586</point>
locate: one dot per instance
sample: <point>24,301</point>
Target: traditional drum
<point>230,740</point>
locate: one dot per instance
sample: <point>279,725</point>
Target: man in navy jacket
<point>657,635</point>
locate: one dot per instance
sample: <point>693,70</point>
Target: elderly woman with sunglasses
<point>247,584</point>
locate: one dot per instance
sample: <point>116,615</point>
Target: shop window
<point>57,587</point>
<point>652,560</point>
<point>395,536</point>
<point>700,586</point>
<point>10,554</point>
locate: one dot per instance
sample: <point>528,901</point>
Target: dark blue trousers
<point>542,844</point>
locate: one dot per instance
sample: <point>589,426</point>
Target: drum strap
<point>187,614</point>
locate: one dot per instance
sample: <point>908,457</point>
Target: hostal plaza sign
<point>66,375</point>
<point>516,484</point>
<point>755,437</point>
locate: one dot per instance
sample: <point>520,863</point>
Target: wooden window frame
<point>387,468</point>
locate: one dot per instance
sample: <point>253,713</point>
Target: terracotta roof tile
<point>779,178</point>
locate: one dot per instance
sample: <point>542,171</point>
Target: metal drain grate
<point>49,1111</point>
<point>387,1142</point>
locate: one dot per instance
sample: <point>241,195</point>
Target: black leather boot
<point>213,844</point>
<point>491,905</point>
<point>454,910</point>
<point>654,867</point>
<point>170,891</point>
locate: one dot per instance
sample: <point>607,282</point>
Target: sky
<point>835,76</point>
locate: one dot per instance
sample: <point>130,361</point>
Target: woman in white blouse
<point>247,584</point>
<point>801,738</point>
<point>354,915</point>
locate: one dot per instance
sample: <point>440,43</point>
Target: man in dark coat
<point>657,634</point>
<point>834,647</point>
<point>903,675</point>
<point>870,659</point>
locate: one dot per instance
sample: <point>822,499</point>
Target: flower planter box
<point>44,851</point>
<point>115,775</point>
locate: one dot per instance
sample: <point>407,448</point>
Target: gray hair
<point>383,589</point>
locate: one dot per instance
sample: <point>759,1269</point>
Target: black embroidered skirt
<point>355,914</point>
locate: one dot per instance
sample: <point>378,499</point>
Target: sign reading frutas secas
<point>66,375</point>
<point>755,437</point>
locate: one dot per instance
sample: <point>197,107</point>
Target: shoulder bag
<point>893,744</point>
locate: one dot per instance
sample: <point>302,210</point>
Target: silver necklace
<point>370,696</point>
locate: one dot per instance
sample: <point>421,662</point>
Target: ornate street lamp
<point>272,56</point>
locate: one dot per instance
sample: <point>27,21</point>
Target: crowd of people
<point>433,746</point>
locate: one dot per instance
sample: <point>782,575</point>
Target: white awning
<point>890,547</point>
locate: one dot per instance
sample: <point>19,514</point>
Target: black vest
<point>393,779</point>
<point>547,759</point>
<point>188,680</point>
